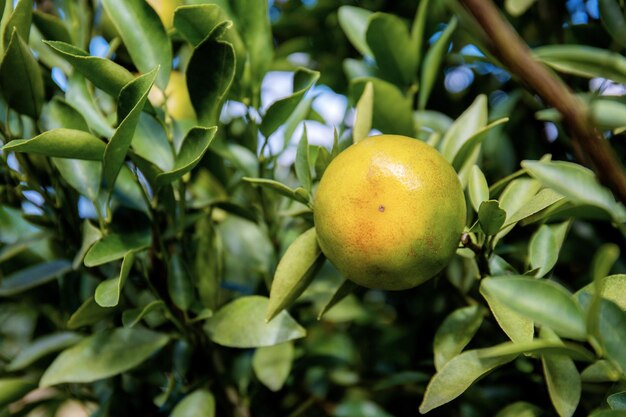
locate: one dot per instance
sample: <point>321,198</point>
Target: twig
<point>588,144</point>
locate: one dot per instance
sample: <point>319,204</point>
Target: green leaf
<point>363,116</point>
<point>468,151</point>
<point>90,235</point>
<point>103,73</point>
<point>345,288</point>
<point>538,347</point>
<point>272,364</point>
<point>179,283</point>
<point>240,324</point>
<point>392,112</point>
<point>83,176</point>
<point>294,273</point>
<point>600,371</point>
<point>473,119</point>
<point>108,292</point>
<point>608,413</point>
<point>388,38</point>
<point>519,328</point>
<point>42,347</point>
<point>562,379</point>
<point>543,251</point>
<point>603,260</point>
<point>354,22</point>
<point>150,142</point>
<point>19,21</point>
<point>612,288</point>
<point>279,187</point>
<point>583,60</point>
<point>196,22</point>
<point>199,403</point>
<point>520,409</point>
<point>609,324</point>
<point>519,192</point>
<point>517,7</point>
<point>432,63</point>
<point>455,333</point>
<point>21,80</point>
<point>617,401</point>
<point>131,318</point>
<point>576,183</point>
<point>130,103</point>
<point>478,187</point>
<point>456,376</point>
<point>278,113</point>
<point>417,30</point>
<point>147,43</point>
<point>195,145</point>
<point>491,217</point>
<point>115,246</point>
<point>210,87</point>
<point>303,162</point>
<point>51,27</point>
<point>12,389</point>
<point>613,20</point>
<point>61,143</point>
<point>545,302</point>
<point>542,200</point>
<point>208,269</point>
<point>102,355</point>
<point>80,97</point>
<point>88,313</point>
<point>33,276</point>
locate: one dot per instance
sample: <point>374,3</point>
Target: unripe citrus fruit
<point>178,102</point>
<point>389,212</point>
<point>165,9</point>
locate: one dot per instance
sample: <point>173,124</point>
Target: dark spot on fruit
<point>381,208</point>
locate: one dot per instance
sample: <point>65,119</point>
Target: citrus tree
<point>199,216</point>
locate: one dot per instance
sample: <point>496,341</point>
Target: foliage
<point>138,244</point>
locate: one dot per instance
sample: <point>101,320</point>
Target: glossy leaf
<point>432,63</point>
<point>478,187</point>
<point>87,314</point>
<point>491,217</point>
<point>130,103</point>
<point>195,145</point>
<point>272,364</point>
<point>612,288</point>
<point>19,21</point>
<point>294,273</point>
<point>609,322</point>
<point>388,38</point>
<point>103,73</point>
<point>456,376</point>
<point>345,288</point>
<point>209,88</point>
<point>471,121</point>
<point>577,183</point>
<point>131,318</point>
<point>303,162</point>
<point>278,113</point>
<point>617,401</point>
<point>241,324</point>
<point>469,149</point>
<point>543,251</point>
<point>515,196</point>
<point>363,116</point>
<point>151,143</point>
<point>147,43</point>
<point>562,379</point>
<point>544,302</point>
<point>417,30</point>
<point>354,22</point>
<point>21,80</point>
<point>540,201</point>
<point>51,27</point>
<point>115,246</point>
<point>199,403</point>
<point>33,276</point>
<point>208,268</point>
<point>456,331</point>
<point>195,22</point>
<point>42,347</point>
<point>12,389</point>
<point>603,260</point>
<point>519,328</point>
<point>600,371</point>
<point>179,283</point>
<point>104,354</point>
<point>583,60</point>
<point>538,347</point>
<point>520,409</point>
<point>61,143</point>
<point>392,110</point>
<point>90,235</point>
<point>278,187</point>
<point>108,291</point>
<point>80,97</point>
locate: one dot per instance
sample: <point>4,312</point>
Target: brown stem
<point>588,144</point>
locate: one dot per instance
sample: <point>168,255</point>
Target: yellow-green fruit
<point>389,212</point>
<point>178,103</point>
<point>165,10</point>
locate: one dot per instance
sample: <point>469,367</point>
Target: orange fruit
<point>389,212</point>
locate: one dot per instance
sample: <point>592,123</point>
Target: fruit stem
<point>481,252</point>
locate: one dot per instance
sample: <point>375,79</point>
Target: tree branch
<point>588,144</point>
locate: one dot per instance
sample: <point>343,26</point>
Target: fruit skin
<point>389,212</point>
<point>178,102</point>
<point>165,10</point>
